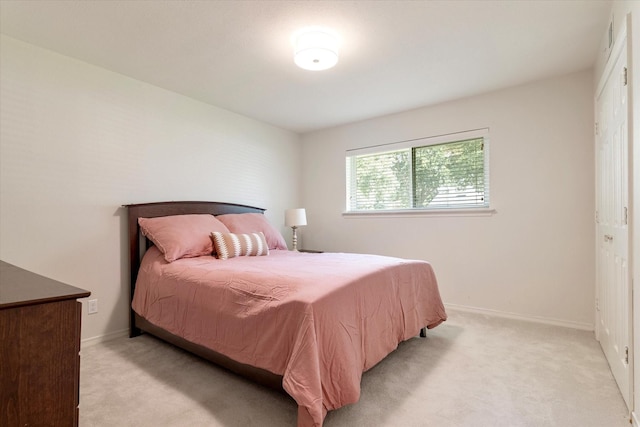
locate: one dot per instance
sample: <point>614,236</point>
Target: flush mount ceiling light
<point>315,48</point>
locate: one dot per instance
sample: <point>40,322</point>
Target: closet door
<point>613,299</point>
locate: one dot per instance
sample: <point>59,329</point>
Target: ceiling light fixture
<point>315,48</point>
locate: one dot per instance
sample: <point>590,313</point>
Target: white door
<point>613,303</point>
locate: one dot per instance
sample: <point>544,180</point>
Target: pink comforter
<point>319,320</point>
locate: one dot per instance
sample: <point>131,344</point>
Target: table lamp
<point>295,218</point>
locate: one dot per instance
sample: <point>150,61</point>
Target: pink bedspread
<point>319,320</point>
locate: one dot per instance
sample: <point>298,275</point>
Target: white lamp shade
<point>295,217</point>
<point>315,49</point>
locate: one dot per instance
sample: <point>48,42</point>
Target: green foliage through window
<point>446,175</point>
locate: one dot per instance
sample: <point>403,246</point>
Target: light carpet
<point>472,370</point>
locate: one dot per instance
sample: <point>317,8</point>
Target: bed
<point>306,323</point>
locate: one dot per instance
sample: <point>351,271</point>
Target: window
<point>437,173</point>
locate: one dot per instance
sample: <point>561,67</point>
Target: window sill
<point>403,213</point>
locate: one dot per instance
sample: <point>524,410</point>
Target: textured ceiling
<point>395,55</point>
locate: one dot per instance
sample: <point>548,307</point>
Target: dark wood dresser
<point>39,349</point>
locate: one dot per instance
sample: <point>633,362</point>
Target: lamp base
<point>295,239</point>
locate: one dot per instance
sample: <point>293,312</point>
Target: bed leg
<point>423,332</point>
<point>134,331</point>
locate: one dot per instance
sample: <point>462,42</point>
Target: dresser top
<point>20,287</point>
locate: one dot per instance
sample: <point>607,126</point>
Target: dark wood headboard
<point>138,244</point>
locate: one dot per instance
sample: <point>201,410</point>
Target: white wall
<point>535,257</point>
<point>78,141</point>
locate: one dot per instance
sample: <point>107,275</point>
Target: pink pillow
<point>182,236</point>
<point>252,223</point>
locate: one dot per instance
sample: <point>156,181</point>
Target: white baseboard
<point>536,319</point>
<point>88,342</point>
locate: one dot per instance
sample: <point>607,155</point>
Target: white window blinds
<point>444,172</point>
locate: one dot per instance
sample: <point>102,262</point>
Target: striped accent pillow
<point>229,245</point>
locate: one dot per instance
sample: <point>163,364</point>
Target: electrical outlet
<point>93,306</point>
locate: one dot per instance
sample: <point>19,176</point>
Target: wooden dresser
<point>39,349</point>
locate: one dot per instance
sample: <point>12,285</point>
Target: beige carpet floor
<point>473,370</point>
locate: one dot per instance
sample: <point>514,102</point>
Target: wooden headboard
<point>139,244</point>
